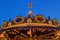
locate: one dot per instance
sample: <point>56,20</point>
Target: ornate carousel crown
<point>31,27</point>
<point>31,20</point>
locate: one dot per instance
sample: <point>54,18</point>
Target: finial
<point>49,18</point>
<point>30,15</point>
<point>30,12</point>
<point>9,19</point>
<point>29,5</point>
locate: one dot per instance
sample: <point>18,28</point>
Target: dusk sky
<point>13,8</point>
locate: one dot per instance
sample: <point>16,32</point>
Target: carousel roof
<point>25,26</point>
<point>31,20</point>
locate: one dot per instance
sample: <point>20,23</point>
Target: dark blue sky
<point>13,8</point>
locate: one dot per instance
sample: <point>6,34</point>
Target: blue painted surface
<point>13,8</point>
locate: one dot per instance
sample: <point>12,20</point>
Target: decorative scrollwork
<point>4,24</point>
<point>19,19</point>
<point>40,19</point>
<point>55,22</point>
<point>29,20</point>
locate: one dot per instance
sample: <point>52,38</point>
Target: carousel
<point>30,28</point>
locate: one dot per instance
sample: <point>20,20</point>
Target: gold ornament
<point>19,19</point>
<point>29,20</point>
<point>4,24</point>
<point>40,19</point>
<point>55,22</point>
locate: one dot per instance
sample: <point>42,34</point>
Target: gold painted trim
<point>54,21</point>
<point>40,17</point>
<point>4,24</point>
<point>32,24</point>
<point>18,18</point>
